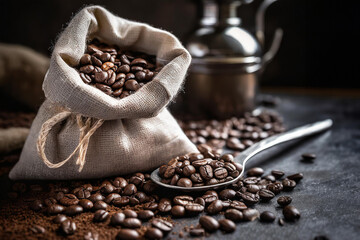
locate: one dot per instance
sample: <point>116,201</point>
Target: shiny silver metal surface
<point>246,155</point>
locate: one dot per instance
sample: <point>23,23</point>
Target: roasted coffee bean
<point>96,197</point>
<point>296,177</point>
<point>85,78</point>
<point>131,85</point>
<point>220,173</point>
<point>308,156</point>
<point>161,224</point>
<point>153,233</point>
<point>277,173</point>
<point>250,214</point>
<point>59,218</point>
<point>169,172</point>
<point>178,211</point>
<point>106,89</point>
<point>270,178</point>
<point>145,215</point>
<point>107,189</point>
<point>227,194</point>
<point>249,198</point>
<point>266,194</point>
<point>139,62</point>
<point>127,234</point>
<point>227,225</point>
<point>100,215</point>
<point>96,61</point>
<point>195,156</point>
<point>188,170</point>
<point>284,200</point>
<point>234,215</point>
<point>130,189</point>
<point>87,69</point>
<point>85,59</point>
<point>288,184</point>
<point>130,213</point>
<point>215,207</point>
<point>194,208</point>
<point>291,213</point>
<point>73,210</point>
<point>91,236</point>
<point>253,188</point>
<point>164,205</point>
<point>227,158</point>
<point>37,205</point>
<point>216,164</point>
<point>120,182</point>
<point>107,65</point>
<point>276,187</point>
<point>55,209</point>
<point>206,172</point>
<point>196,178</point>
<point>255,172</point>
<point>209,198</point>
<point>129,76</point>
<point>68,227</point>
<point>131,223</point>
<point>212,181</point>
<point>151,206</point>
<point>184,182</point>
<point>182,200</point>
<point>121,201</point>
<point>200,201</point>
<point>117,219</point>
<point>210,224</point>
<point>100,77</point>
<point>201,162</point>
<point>37,229</point>
<point>250,180</point>
<point>100,205</point>
<point>267,216</point>
<point>230,167</point>
<point>124,69</point>
<point>235,144</point>
<point>140,76</point>
<point>50,201</point>
<point>81,193</point>
<point>197,232</point>
<point>111,197</point>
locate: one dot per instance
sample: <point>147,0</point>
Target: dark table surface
<point>329,195</point>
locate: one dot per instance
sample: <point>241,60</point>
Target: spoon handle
<point>295,133</point>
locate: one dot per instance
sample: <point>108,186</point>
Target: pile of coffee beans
<point>197,169</point>
<point>116,72</point>
<point>236,133</point>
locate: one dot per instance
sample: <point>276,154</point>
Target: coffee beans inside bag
<point>86,128</point>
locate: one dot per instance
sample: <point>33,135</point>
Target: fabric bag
<point>80,132</point>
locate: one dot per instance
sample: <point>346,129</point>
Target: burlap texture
<point>139,134</point>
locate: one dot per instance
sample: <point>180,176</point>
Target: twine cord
<point>87,127</point>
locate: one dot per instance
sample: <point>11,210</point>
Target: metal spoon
<point>246,155</point>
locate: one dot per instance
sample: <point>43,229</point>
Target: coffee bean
<point>121,201</point>
<point>37,205</point>
<point>55,209</point>
<point>85,78</point>
<point>127,234</point>
<point>107,65</point>
<point>153,233</point>
<point>169,172</point>
<point>296,177</point>
<point>183,200</point>
<point>130,189</point>
<point>164,205</point>
<point>276,187</point>
<point>73,210</point>
<point>288,184</point>
<point>210,224</point>
<point>132,85</point>
<point>100,205</point>
<point>117,219</point>
<point>235,144</point>
<point>120,182</point>
<point>194,208</point>
<point>68,227</point>
<point>277,173</point>
<point>151,206</point>
<point>215,207</point>
<point>178,211</point>
<point>270,178</point>
<point>106,89</point>
<point>249,198</point>
<point>206,172</point>
<point>91,236</point>
<point>227,225</point>
<point>37,229</point>
<point>197,232</point>
<point>161,224</point>
<point>111,197</point>
<point>96,197</point>
<point>200,201</point>
<point>188,170</point>
<point>250,214</point>
<point>96,61</point>
<point>139,62</point>
<point>124,69</point>
<point>196,178</point>
<point>50,201</point>
<point>234,215</point>
<point>145,215</point>
<point>267,216</point>
<point>59,218</point>
<point>130,213</point>
<point>100,215</point>
<point>253,188</point>
<point>85,59</point>
<point>255,172</point>
<point>308,156</point>
<point>220,173</point>
<point>284,200</point>
<point>321,238</point>
<point>227,194</point>
<point>291,213</point>
<point>131,223</point>
<point>184,182</point>
<point>87,69</point>
<point>238,205</point>
<point>266,194</point>
<point>195,156</point>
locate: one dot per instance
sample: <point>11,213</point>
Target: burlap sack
<point>80,132</point>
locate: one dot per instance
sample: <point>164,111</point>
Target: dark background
<point>319,48</point>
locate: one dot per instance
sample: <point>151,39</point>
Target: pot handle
<point>260,26</point>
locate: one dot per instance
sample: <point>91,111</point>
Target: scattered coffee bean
<point>178,211</point>
<point>267,216</point>
<point>197,232</point>
<point>68,227</point>
<point>255,172</point>
<point>215,207</point>
<point>100,215</point>
<point>277,173</point>
<point>153,233</point>
<point>117,219</point>
<point>308,156</point>
<point>227,225</point>
<point>73,210</point>
<point>37,229</point>
<point>127,234</point>
<point>291,213</point>
<point>288,184</point>
<point>250,214</point>
<point>91,236</point>
<point>296,177</point>
<point>234,215</point>
<point>210,224</point>
<point>131,223</point>
<point>161,224</point>
<point>266,194</point>
<point>284,200</point>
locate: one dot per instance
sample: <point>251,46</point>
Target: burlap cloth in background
<point>136,133</point>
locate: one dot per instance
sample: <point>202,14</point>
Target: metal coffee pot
<point>227,61</point>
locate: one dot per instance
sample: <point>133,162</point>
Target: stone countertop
<point>329,195</point>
